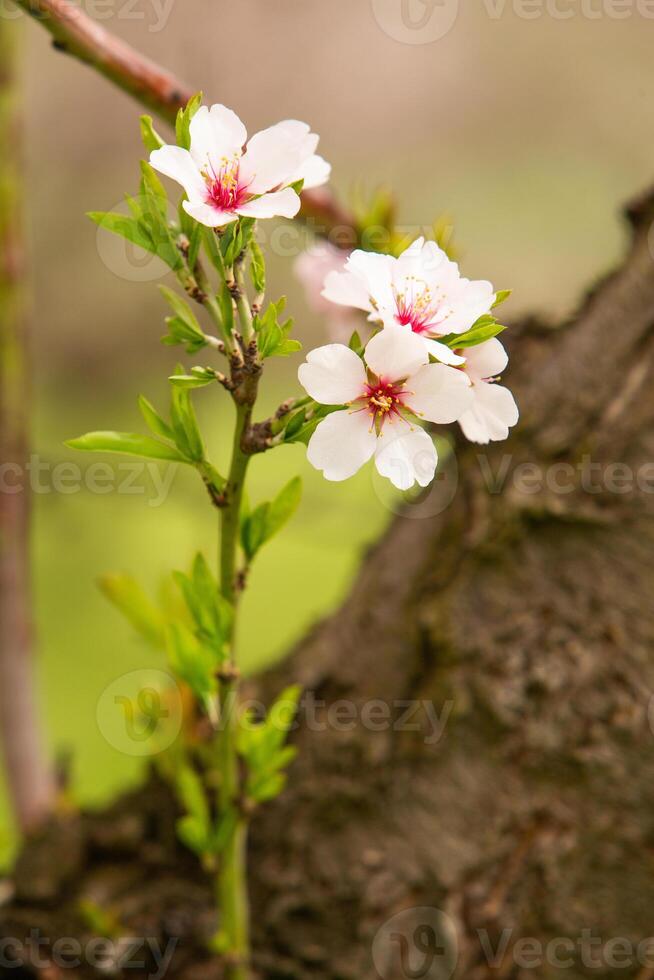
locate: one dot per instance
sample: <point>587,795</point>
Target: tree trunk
<point>524,618</point>
<point>27,775</point>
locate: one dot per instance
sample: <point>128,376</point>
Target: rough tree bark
<point>27,773</point>
<point>526,615</point>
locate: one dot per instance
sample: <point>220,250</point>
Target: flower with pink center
<point>312,268</point>
<point>493,410</point>
<point>422,290</point>
<point>385,393</point>
<point>224,178</point>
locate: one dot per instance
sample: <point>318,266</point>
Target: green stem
<point>232,877</point>
<point>242,304</point>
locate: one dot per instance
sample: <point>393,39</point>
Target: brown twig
<point>158,90</point>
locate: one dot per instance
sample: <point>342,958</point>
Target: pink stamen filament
<point>223,188</point>
<point>383,400</point>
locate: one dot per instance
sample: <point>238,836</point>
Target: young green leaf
<point>154,421</point>
<point>126,442</point>
<point>484,329</point>
<point>185,424</point>
<point>183,122</point>
<point>267,519</point>
<point>128,596</point>
<point>149,135</point>
<point>126,227</point>
<point>191,660</point>
<point>257,267</point>
<point>501,296</point>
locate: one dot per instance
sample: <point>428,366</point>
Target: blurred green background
<point>528,133</point>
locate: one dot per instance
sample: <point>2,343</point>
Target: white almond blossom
<point>312,268</point>
<point>224,178</point>
<point>422,290</point>
<point>493,410</point>
<point>384,397</point>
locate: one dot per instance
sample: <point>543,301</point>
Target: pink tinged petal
<point>492,414</point>
<point>439,393</point>
<point>278,204</point>
<point>208,215</point>
<point>376,272</point>
<point>341,444</point>
<point>486,360</point>
<point>274,155</point>
<point>178,164</point>
<point>346,289</point>
<point>443,353</point>
<point>395,353</point>
<point>420,260</point>
<point>467,303</point>
<point>216,133</point>
<point>406,457</point>
<point>314,172</point>
<point>333,375</point>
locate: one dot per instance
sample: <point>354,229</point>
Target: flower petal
<point>216,133</point>
<point>346,289</point>
<point>376,272</point>
<point>406,458</point>
<point>277,204</point>
<point>314,172</point>
<point>439,393</point>
<point>341,444</point>
<point>178,164</point>
<point>395,353</point>
<point>333,375</point>
<point>275,154</point>
<point>492,413</point>
<point>207,215</point>
<point>466,301</point>
<point>443,353</point>
<point>486,360</point>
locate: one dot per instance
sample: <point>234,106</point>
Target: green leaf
<point>355,343</point>
<point>484,329</point>
<point>212,249</point>
<point>267,519</point>
<point>192,380</point>
<point>304,432</point>
<point>154,421</point>
<point>283,507</point>
<point>257,267</point>
<point>125,442</point>
<point>192,795</point>
<point>126,227</point>
<point>128,596</point>
<point>272,336</point>
<point>192,834</point>
<point>226,308</point>
<point>191,660</point>
<point>185,424</point>
<point>151,139</point>
<point>501,296</point>
<point>183,122</point>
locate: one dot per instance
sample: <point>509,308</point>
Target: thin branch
<point>157,89</point>
<point>29,779</point>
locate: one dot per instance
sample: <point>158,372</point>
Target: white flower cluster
<point>411,369</point>
<point>407,373</point>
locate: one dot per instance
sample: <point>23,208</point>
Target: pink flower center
<point>223,189</point>
<point>418,309</point>
<point>382,400</point>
